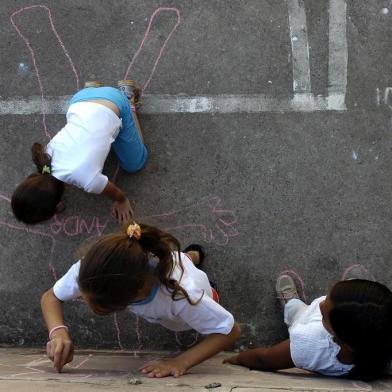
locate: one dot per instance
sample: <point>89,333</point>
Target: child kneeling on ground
<point>143,270</point>
<point>347,332</point>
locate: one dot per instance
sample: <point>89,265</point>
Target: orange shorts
<point>215,295</point>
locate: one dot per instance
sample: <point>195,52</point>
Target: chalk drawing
<point>146,34</point>
<point>363,386</point>
<point>45,373</point>
<point>28,229</point>
<point>303,99</point>
<point>77,225</point>
<point>118,332</point>
<point>219,231</point>
<point>365,273</point>
<point>33,58</point>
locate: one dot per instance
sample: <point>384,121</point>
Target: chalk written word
<point>76,225</point>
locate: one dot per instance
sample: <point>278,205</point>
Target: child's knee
<point>133,166</point>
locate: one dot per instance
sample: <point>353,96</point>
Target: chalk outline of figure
<point>215,200</point>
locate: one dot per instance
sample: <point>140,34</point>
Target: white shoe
<point>286,289</point>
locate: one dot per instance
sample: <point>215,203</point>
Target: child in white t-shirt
<point>97,118</point>
<point>143,270</point>
<point>347,332</point>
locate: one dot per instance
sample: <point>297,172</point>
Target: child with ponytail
<point>97,118</point>
<point>346,333</point>
<point>142,269</point>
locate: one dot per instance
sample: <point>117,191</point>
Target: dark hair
<point>361,317</point>
<point>36,198</point>
<point>115,268</point>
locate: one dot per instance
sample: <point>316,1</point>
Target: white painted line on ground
<point>299,46</point>
<point>338,54</point>
<point>161,104</point>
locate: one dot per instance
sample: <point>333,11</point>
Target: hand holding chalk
<point>60,349</point>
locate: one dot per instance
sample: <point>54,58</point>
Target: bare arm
<point>121,208</point>
<point>210,346</point>
<point>60,348</point>
<point>272,358</point>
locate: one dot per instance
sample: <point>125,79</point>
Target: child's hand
<point>60,350</point>
<point>122,211</point>
<point>169,367</point>
<point>234,360</point>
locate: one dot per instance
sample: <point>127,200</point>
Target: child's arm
<point>121,208</point>
<point>272,358</point>
<point>177,366</point>
<point>60,347</point>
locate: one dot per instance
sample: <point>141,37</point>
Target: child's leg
<point>292,310</point>
<point>128,146</point>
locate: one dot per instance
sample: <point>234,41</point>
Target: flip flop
<point>196,248</point>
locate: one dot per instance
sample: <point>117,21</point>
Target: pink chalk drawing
<point>206,217</point>
<point>38,369</point>
<point>77,225</point>
<point>118,332</point>
<point>362,270</point>
<point>142,43</point>
<point>220,228</point>
<point>33,57</point>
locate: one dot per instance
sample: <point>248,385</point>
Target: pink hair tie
<point>55,329</point>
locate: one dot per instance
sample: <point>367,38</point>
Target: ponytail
<point>42,160</point>
<point>162,245</point>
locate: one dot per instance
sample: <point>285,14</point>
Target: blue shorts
<point>129,148</point>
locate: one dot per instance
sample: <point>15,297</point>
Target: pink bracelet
<point>55,329</point>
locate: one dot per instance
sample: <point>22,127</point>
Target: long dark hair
<point>116,267</point>
<point>361,317</point>
<point>36,198</point>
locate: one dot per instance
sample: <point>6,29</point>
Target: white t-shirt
<point>312,347</point>
<point>205,317</point>
<point>80,149</point>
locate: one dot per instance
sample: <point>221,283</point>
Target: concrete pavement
<point>28,370</point>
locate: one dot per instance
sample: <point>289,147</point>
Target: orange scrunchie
<point>134,231</point>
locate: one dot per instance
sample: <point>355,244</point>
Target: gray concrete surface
<point>28,370</point>
<point>269,130</point>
